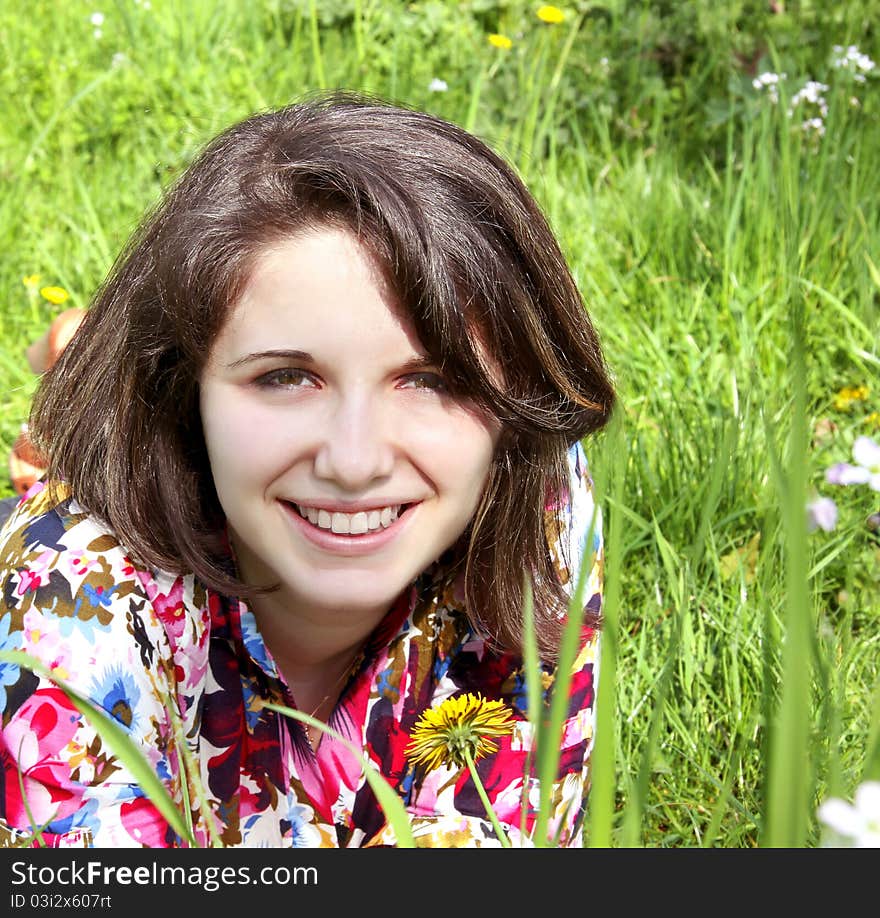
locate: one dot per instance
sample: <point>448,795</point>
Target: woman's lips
<point>347,543</point>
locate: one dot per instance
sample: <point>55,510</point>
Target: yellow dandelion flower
<point>463,726</point>
<point>500,41</point>
<point>873,419</point>
<point>849,394</point>
<point>551,14</point>
<point>31,280</point>
<point>55,295</point>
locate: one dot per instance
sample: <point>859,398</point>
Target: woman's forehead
<point>317,287</point>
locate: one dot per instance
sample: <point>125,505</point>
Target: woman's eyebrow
<point>302,356</point>
<point>413,364</point>
<point>418,362</point>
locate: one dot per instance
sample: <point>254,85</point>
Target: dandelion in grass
<point>457,733</point>
<point>55,295</point>
<point>873,419</point>
<point>500,41</point>
<point>31,281</point>
<point>462,727</point>
<point>864,470</point>
<point>848,396</point>
<point>821,514</point>
<point>550,14</point>
<point>856,824</point>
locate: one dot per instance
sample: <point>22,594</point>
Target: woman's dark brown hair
<point>469,254</point>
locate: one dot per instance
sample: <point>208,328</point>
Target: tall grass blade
<point>551,738</point>
<point>632,825</point>
<point>788,786</point>
<point>603,763</point>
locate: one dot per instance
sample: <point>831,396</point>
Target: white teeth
<point>340,522</point>
<point>350,523</point>
<point>358,523</point>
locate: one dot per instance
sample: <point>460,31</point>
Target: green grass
<point>730,263</point>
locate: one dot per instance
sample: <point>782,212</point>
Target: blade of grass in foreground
<point>118,742</point>
<point>549,735</point>
<point>532,670</point>
<point>872,747</point>
<point>674,566</point>
<point>787,785</point>
<point>787,789</point>
<point>603,781</point>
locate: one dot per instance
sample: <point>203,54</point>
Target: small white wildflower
<point>769,81</point>
<point>437,85</point>
<point>810,93</point>
<point>855,825</point>
<point>765,79</point>
<point>853,60</point>
<point>118,59</point>
<point>866,453</point>
<point>97,19</point>
<point>821,514</point>
<point>98,33</point>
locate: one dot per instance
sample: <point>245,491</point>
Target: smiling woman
<point>336,389</point>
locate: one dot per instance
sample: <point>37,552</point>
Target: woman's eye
<point>425,381</point>
<point>285,377</point>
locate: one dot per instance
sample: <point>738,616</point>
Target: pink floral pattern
<point>178,666</point>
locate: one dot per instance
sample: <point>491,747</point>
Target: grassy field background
<point>725,231</point>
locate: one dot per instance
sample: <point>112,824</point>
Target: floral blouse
<point>184,671</point>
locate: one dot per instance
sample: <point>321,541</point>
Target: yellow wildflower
<point>551,14</point>
<point>873,419</point>
<point>461,727</point>
<point>31,280</point>
<point>500,41</point>
<point>55,295</point>
<point>849,394</point>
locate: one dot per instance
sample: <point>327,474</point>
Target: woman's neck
<point>314,650</point>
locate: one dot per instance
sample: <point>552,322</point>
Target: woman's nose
<point>356,446</point>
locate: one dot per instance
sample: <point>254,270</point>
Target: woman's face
<point>343,466</point>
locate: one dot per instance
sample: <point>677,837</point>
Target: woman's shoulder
<point>50,538</point>
<point>63,570</point>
